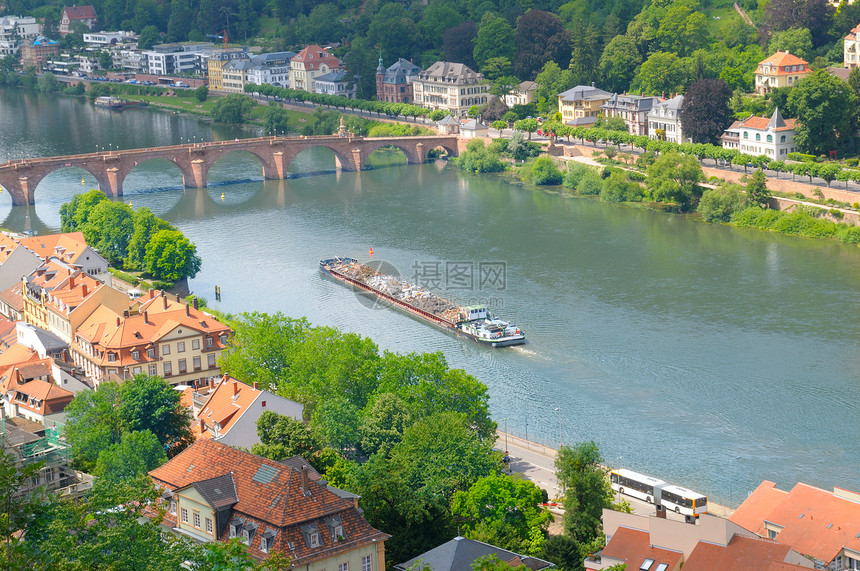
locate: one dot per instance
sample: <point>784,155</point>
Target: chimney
<point>178,299</point>
<point>592,84</point>
<point>202,426</point>
<point>125,313</point>
<point>84,290</point>
<point>187,310</point>
<point>663,95</point>
<point>211,384</point>
<point>235,388</point>
<point>117,320</point>
<point>146,317</point>
<point>255,386</point>
<point>305,479</point>
<point>164,299</point>
<point>195,303</point>
<point>71,282</point>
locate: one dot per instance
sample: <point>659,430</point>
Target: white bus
<point>683,501</point>
<point>637,485</point>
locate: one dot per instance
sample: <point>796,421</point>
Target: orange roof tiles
<point>226,403</point>
<point>741,554</point>
<point>281,500</point>
<point>311,54</point>
<point>815,522</point>
<point>633,546</point>
<point>780,60</point>
<point>761,123</point>
<point>7,245</point>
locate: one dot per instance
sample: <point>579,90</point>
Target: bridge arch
<point>136,167</point>
<point>267,164</point>
<point>92,179</point>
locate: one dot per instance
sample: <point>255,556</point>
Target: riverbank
<point>536,462</point>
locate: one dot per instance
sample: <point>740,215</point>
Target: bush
<point>849,235</point>
<point>801,157</point>
<point>852,162</point>
<point>479,159</point>
<point>718,204</point>
<point>574,174</point>
<point>590,184</point>
<point>128,278</point>
<point>618,188</point>
<point>545,172</point>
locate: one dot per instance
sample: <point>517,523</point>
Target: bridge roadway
<point>21,177</point>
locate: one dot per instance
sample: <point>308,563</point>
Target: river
<point>709,356</point>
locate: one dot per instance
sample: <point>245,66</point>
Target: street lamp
<point>732,481</point>
<point>558,410</point>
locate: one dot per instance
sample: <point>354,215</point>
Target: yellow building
<point>580,106</point>
<point>780,70</point>
<point>216,62</point>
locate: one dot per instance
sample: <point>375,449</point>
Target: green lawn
<point>720,14</point>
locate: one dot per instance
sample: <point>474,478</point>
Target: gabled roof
<point>814,522</point>
<point>448,120</point>
<point>633,546</point>
<point>741,554</point>
<point>272,496</point>
<point>227,403</point>
<point>68,247</point>
<point>219,491</point>
<point>473,125</point>
<point>674,103</point>
<point>314,54</point>
<point>774,123</point>
<point>80,12</point>
<point>459,553</point>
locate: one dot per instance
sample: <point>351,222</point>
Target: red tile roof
<point>741,554</point>
<point>227,403</point>
<point>815,522</point>
<point>273,496</point>
<point>80,12</point>
<point>633,546</point>
<point>760,124</point>
<point>780,60</point>
<point>311,55</point>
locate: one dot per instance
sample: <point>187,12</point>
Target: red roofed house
<point>659,544</point>
<point>229,414</point>
<point>70,247</point>
<point>820,524</point>
<point>773,138</point>
<point>779,70</point>
<point>310,63</point>
<point>216,492</point>
<point>28,390</point>
<point>851,54</point>
<point>71,14</point>
<point>59,297</point>
<point>156,336</point>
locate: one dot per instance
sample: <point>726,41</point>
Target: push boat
<point>474,321</point>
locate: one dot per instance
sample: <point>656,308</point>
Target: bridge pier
<point>114,182</point>
<point>24,194</point>
<point>198,174</point>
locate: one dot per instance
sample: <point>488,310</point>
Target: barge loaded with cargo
<point>473,321</point>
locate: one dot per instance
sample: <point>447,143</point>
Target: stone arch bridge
<point>21,177</point>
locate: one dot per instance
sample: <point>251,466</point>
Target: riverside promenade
<point>536,462</point>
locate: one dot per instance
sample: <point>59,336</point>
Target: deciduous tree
<point>458,43</point>
<point>135,455</point>
<point>540,37</point>
<point>674,178</point>
<point>586,488</point>
<point>705,112</point>
<point>282,437</point>
<point>757,191</point>
<point>171,256</point>
<point>496,38</point>
<point>662,72</point>
<point>383,424</point>
<point>826,112</point>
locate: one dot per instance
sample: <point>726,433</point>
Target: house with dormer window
<point>310,63</point>
<point>782,69</point>
<point>772,137</point>
<point>214,492</point>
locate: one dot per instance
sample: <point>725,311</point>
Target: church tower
<point>380,80</point>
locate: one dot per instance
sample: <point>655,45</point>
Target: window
<point>182,367</point>
<point>196,363</point>
<point>343,566</point>
<point>770,138</point>
<point>165,349</point>
<point>135,355</point>
<point>168,369</point>
<point>180,347</point>
<point>223,339</point>
<point>111,357</point>
<point>153,370</point>
<point>337,532</point>
<point>49,475</point>
<point>208,525</point>
<point>150,352</point>
<point>366,563</point>
<point>172,507</point>
<point>210,360</point>
<point>184,515</point>
<point>196,520</point>
<point>746,135</point>
<point>315,539</point>
<point>195,344</point>
<point>209,341</point>
<point>136,370</point>
<point>247,536</point>
<point>758,136</point>
<point>782,139</point>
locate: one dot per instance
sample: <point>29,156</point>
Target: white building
<point>271,69</point>
<point>852,48</point>
<point>450,87</point>
<point>335,83</point>
<point>773,138</point>
<point>523,94</point>
<point>664,120</point>
<point>14,30</point>
<point>173,59</point>
<point>109,38</point>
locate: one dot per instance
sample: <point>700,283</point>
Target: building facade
<point>772,137</point>
<point>634,109</point>
<point>271,69</point>
<point>14,30</point>
<point>394,84</point>
<point>581,106</point>
<point>851,43</point>
<point>335,83</point>
<point>782,69</point>
<point>664,120</point>
<point>105,39</point>
<point>216,62</point>
<point>37,53</point>
<point>310,63</point>
<point>174,59</point>
<point>214,492</point>
<point>451,87</point>
<point>86,15</point>
<point>523,94</point>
